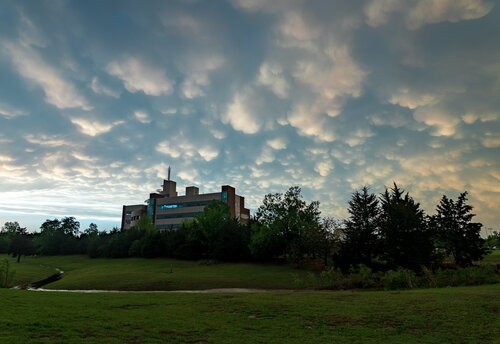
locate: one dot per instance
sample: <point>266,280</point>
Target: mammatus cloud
<point>138,76</point>
<point>444,123</point>
<point>197,69</point>
<point>180,146</point>
<point>324,167</point>
<point>411,100</point>
<point>99,88</point>
<point>421,12</point>
<point>10,112</point>
<point>49,140</point>
<point>327,95</point>
<point>93,127</point>
<point>58,91</point>
<point>142,117</point>
<point>272,77</point>
<point>277,143</point>
<point>240,117</point>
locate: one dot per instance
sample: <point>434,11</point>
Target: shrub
<point>6,275</point>
<point>330,278</point>
<point>400,279</point>
<point>361,277</point>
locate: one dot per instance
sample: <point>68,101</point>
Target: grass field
<point>492,258</point>
<point>446,315</point>
<point>81,272</point>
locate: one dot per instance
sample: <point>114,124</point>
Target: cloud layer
<point>261,95</point>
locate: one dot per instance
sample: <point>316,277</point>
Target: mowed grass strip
<point>447,315</point>
<point>81,272</point>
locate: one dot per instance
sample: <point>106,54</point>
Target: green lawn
<point>81,272</point>
<point>447,315</point>
<point>492,258</point>
<point>28,271</point>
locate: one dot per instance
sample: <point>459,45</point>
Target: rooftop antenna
<point>169,173</point>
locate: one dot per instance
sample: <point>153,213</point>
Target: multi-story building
<point>168,210</point>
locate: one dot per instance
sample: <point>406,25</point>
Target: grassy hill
<point>81,272</point>
<point>446,315</point>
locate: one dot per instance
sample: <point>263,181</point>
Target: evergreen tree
<point>458,235</point>
<point>405,236</point>
<point>360,230</point>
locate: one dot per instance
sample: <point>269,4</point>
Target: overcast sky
<point>98,98</point>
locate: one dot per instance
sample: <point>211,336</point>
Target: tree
<point>405,236</point>
<point>91,230</point>
<point>492,242</point>
<point>59,237</point>
<point>458,235</point>
<point>70,226</point>
<point>21,243</point>
<point>50,238</point>
<point>286,217</point>
<point>361,230</point>
<point>11,227</point>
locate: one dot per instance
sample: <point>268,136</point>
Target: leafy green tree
<point>50,238</point>
<point>59,237</point>
<point>8,229</point>
<point>492,242</point>
<point>405,236</point>
<point>218,236</point>
<point>361,229</point>
<point>458,235</point>
<point>21,243</point>
<point>91,230</point>
<point>11,227</point>
<point>266,243</point>
<point>287,217</point>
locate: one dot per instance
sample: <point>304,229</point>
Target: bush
<point>400,279</point>
<point>331,278</point>
<point>362,277</point>
<point>473,275</point>
<point>6,274</point>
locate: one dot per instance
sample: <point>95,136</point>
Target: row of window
<point>168,226</point>
<point>175,216</point>
<point>182,205</point>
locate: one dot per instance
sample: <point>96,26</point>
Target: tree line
<point>382,232</point>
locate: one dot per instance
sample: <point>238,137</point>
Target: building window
<point>175,216</point>
<point>183,205</point>
<point>167,206</point>
<point>174,226</point>
<point>128,213</point>
<point>224,197</point>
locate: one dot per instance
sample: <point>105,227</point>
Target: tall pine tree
<point>458,235</point>
<point>405,236</point>
<point>360,230</point>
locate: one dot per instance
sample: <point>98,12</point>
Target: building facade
<point>168,210</point>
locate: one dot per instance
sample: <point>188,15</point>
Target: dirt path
<point>219,290</point>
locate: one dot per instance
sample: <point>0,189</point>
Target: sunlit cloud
<point>9,111</point>
<point>142,116</point>
<point>240,117</point>
<point>99,88</point>
<point>421,12</point>
<point>93,127</point>
<point>138,76</point>
<point>58,91</point>
<point>329,96</point>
